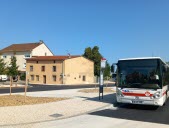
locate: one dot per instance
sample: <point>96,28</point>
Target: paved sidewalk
<point>78,103</point>
<point>14,85</point>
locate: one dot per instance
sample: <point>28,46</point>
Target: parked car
<point>3,77</point>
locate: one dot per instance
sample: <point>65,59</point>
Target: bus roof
<point>143,58</point>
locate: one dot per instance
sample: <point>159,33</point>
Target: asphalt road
<point>34,88</point>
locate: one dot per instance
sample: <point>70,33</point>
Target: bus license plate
<point>137,102</point>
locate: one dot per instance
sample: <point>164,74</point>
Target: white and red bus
<point>142,81</point>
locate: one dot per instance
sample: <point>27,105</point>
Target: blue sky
<point>121,28</point>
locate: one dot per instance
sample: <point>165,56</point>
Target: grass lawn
<point>96,90</point>
<point>17,100</point>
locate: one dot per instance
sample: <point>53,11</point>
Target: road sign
<point>103,63</point>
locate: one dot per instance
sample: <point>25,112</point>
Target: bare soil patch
<point>96,90</point>
<point>17,100</point>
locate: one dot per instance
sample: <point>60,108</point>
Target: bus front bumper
<point>156,102</point>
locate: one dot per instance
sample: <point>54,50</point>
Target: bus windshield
<point>139,74</point>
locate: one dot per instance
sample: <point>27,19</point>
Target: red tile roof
<point>20,47</point>
<point>46,58</point>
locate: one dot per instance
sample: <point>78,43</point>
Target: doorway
<point>44,79</point>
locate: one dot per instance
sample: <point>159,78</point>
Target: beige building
<point>24,51</point>
<point>60,70</point>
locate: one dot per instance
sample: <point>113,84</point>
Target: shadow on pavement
<point>107,98</point>
<point>138,113</point>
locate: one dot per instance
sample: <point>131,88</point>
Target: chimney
<point>69,56</point>
<point>41,41</point>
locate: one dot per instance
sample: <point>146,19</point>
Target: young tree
<point>107,70</point>
<point>2,67</point>
<point>13,69</point>
<point>94,55</point>
<point>96,58</point>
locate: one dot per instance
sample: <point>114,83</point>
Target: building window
<point>32,77</point>
<point>27,55</point>
<point>79,76</point>
<point>43,68</point>
<point>84,78</point>
<point>54,68</point>
<point>45,54</point>
<point>54,61</point>
<point>31,68</point>
<point>24,65</point>
<point>37,62</point>
<point>54,77</point>
<point>4,56</point>
<point>37,77</point>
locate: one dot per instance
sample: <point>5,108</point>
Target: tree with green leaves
<point>2,67</point>
<point>94,55</point>
<point>88,53</point>
<point>13,68</point>
<point>96,58</point>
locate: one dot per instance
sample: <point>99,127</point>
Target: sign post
<point>10,85</point>
<point>102,67</point>
<point>26,87</point>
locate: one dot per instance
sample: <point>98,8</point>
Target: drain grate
<point>56,115</point>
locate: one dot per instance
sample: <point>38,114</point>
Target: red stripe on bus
<point>136,94</point>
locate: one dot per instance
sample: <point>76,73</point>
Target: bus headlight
<point>119,93</point>
<point>156,95</point>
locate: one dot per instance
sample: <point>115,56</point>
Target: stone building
<point>60,70</point>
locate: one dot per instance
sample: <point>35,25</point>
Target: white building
<point>23,51</point>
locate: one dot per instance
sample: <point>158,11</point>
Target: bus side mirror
<point>114,75</point>
<point>112,68</point>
